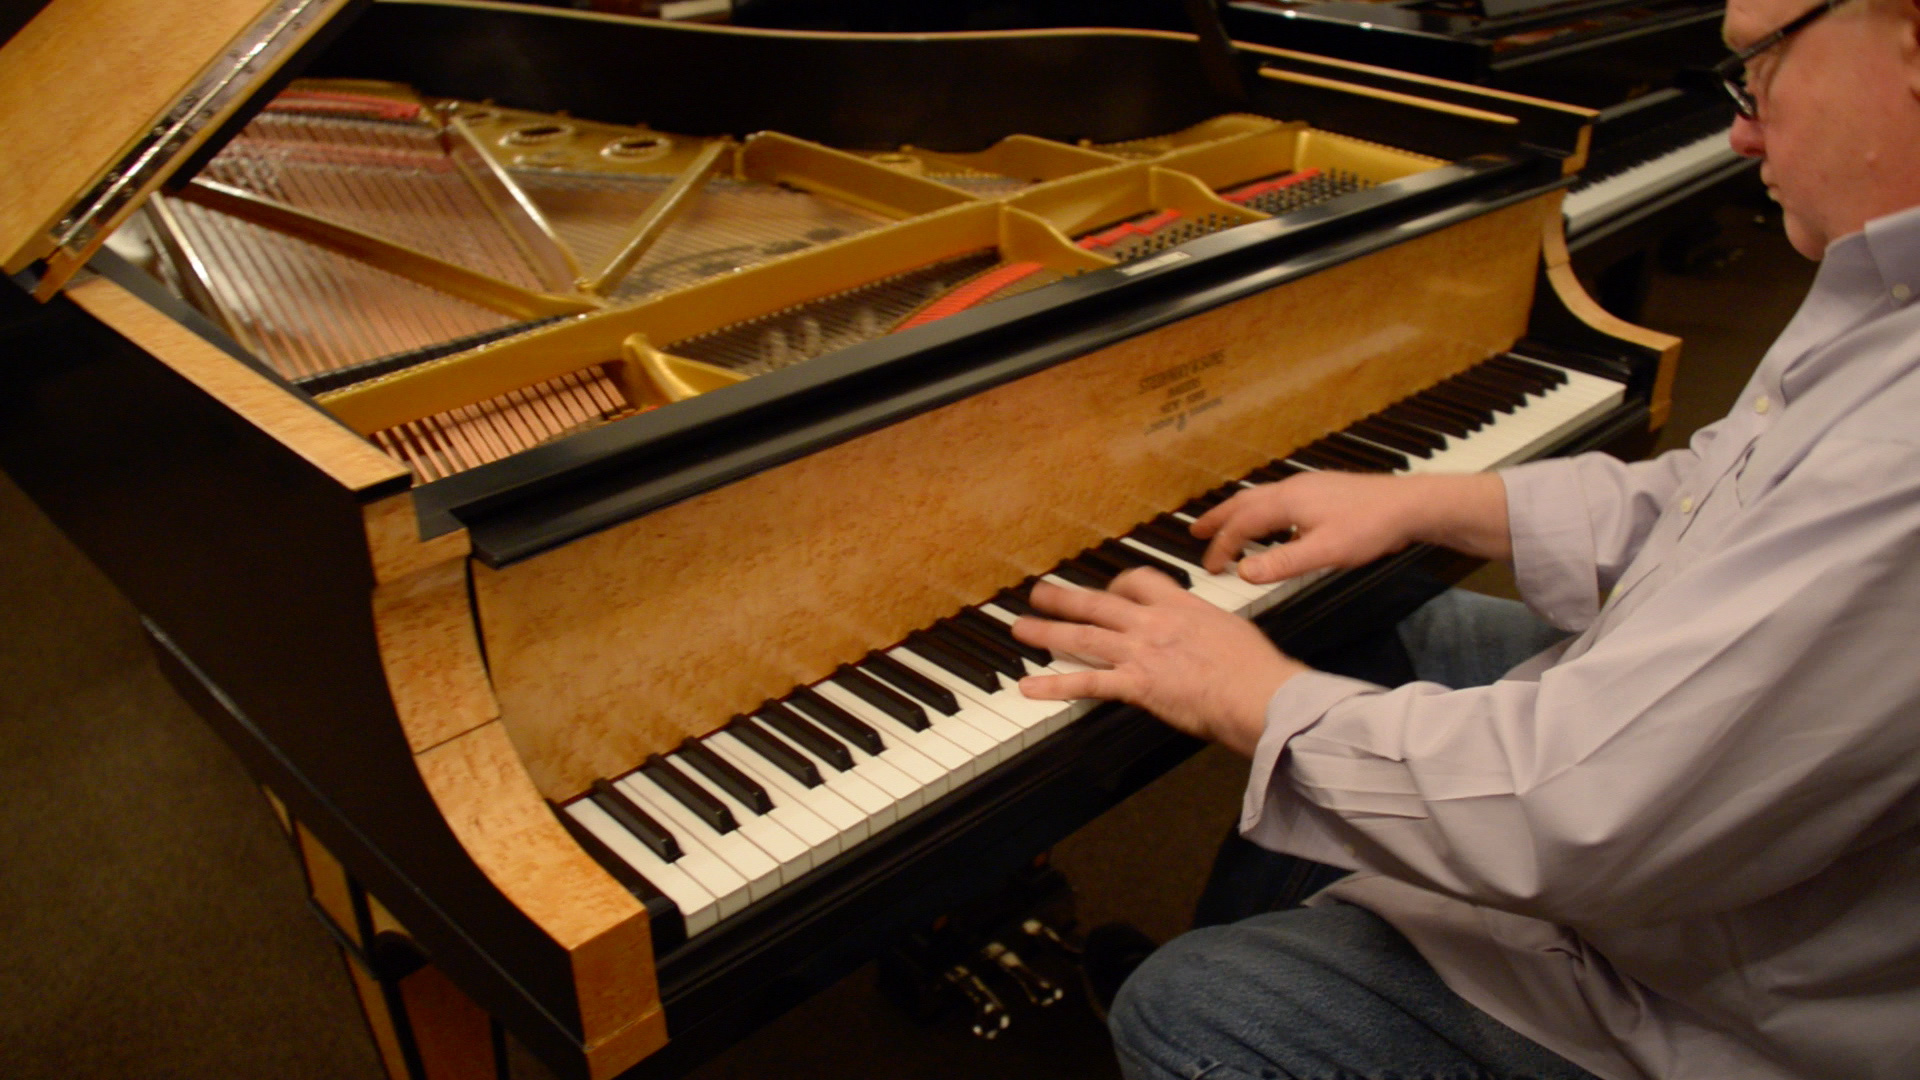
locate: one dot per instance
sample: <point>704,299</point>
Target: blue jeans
<point>1266,990</point>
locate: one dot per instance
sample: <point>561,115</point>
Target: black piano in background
<point>1595,53</point>
<point>1659,164</point>
<point>430,660</point>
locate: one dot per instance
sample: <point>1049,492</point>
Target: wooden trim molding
<point>486,797</point>
<point>1559,264</point>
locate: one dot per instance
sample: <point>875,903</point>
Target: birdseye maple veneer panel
<point>624,642</point>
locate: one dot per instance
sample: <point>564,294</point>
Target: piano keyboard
<point>1591,203</point>
<point>725,820</point>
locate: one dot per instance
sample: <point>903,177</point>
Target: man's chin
<point>1805,239</point>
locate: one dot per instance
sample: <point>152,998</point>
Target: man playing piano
<point>1683,841</point>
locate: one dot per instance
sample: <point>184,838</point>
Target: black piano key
<point>635,820</point>
<point>1517,363</point>
<point>1414,413</point>
<point>1000,632</point>
<point>1103,562</point>
<point>1171,535</point>
<point>982,646</point>
<point>1118,551</point>
<point>1313,459</point>
<point>779,754</point>
<point>1273,472</point>
<point>803,731</point>
<point>878,695</point>
<point>836,719</point>
<point>1159,542</point>
<point>912,683</point>
<point>1391,460</point>
<point>1506,382</point>
<point>957,664</point>
<point>1352,460</point>
<point>666,924</point>
<point>1082,575</point>
<point>695,798</point>
<point>1015,602</point>
<point>1203,503</point>
<point>1402,437</point>
<point>1523,382</point>
<point>1508,396</point>
<point>1475,419</point>
<point>742,787</point>
<point>1000,660</point>
<point>1481,406</point>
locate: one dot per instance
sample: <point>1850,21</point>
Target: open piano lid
<point>104,101</point>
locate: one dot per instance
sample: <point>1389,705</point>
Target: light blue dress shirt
<point>1685,843</point>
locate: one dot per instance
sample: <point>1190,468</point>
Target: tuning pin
<point>1034,928</point>
<point>989,1015</point>
<point>1031,983</point>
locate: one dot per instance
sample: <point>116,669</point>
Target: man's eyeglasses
<point>1733,70</point>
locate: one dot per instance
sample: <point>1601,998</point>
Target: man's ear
<point>1908,13</point>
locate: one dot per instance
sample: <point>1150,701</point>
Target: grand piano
<point>585,466</point>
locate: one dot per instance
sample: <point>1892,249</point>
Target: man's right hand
<point>1350,519</point>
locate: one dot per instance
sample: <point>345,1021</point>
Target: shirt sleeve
<point>1741,727</point>
<point>1577,522</point>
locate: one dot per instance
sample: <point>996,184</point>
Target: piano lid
<point>103,101</point>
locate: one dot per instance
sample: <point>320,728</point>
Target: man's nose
<point>1746,138</point>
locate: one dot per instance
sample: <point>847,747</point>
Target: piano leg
<point>423,1026</point>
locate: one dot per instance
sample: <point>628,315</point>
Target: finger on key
<point>1106,683</point>
<point>1097,607</point>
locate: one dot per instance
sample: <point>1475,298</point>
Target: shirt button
<point>1902,292</point>
<point>1761,404</point>
<point>1686,505</point>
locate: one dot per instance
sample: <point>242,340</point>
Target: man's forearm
<point>1465,512</point>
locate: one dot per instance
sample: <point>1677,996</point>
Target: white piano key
<point>1063,662</point>
<point>906,749</point>
<point>1222,590</point>
<point>987,744</point>
<point>697,906</point>
<point>848,822</point>
<point>1034,719</point>
<point>821,839</point>
<point>1590,204</point>
<point>881,808</point>
<point>954,763</point>
<point>1008,736</point>
<point>908,793</point>
<point>761,873</point>
<point>780,845</point>
<point>730,886</point>
<point>1530,429</point>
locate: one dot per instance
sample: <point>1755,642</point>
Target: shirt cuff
<point>1553,558</point>
<point>1297,705</point>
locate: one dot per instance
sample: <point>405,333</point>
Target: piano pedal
<point>995,952</point>
<point>1040,992</point>
<point>989,1013</point>
<point>1040,930</point>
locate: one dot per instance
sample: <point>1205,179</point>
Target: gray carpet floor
<point>152,921</point>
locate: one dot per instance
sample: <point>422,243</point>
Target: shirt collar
<point>1856,281</point>
<point>1893,247</point>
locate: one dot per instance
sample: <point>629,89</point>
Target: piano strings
<point>539,203</point>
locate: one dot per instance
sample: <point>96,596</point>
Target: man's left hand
<point>1202,670</point>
